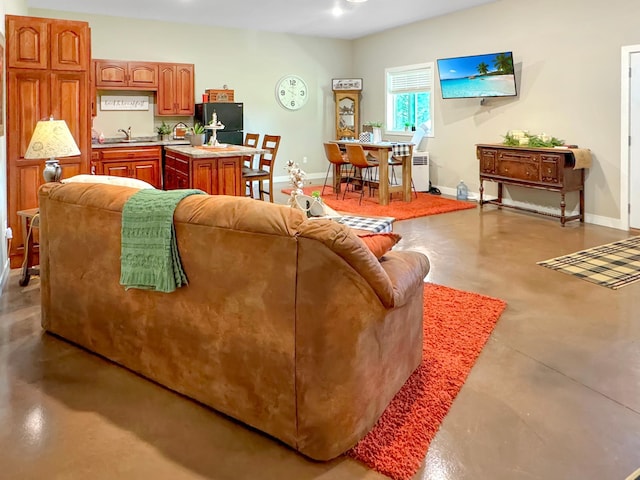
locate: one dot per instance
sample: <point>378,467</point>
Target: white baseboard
<point>588,218</point>
<point>310,176</point>
<point>4,276</point>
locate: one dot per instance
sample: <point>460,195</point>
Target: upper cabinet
<point>174,82</point>
<point>46,44</point>
<point>115,74</point>
<point>175,89</point>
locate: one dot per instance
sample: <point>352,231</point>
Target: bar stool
<point>250,140</point>
<point>337,160</point>
<point>264,172</point>
<point>360,164</point>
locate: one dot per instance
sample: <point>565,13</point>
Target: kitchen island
<point>214,170</point>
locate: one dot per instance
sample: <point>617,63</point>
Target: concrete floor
<point>555,393</point>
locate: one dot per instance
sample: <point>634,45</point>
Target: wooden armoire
<point>48,74</point>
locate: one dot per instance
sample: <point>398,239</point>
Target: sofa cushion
<point>380,243</point>
<point>109,179</point>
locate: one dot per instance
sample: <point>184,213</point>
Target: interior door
<point>634,149</point>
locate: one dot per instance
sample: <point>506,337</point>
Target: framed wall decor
<point>346,84</point>
<point>124,102</point>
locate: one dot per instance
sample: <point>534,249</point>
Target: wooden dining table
<point>383,151</point>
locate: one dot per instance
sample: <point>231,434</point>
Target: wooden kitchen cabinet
<point>539,168</point>
<point>92,89</point>
<point>142,163</point>
<point>173,82</point>
<point>47,44</point>
<point>175,89</point>
<point>215,176</point>
<point>176,171</point>
<point>47,75</point>
<point>124,75</point>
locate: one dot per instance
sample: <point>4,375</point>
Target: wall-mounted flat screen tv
<point>488,75</point>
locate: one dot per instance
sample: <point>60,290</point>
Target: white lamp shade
<point>51,139</point>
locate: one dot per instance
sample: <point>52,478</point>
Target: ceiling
<point>301,17</point>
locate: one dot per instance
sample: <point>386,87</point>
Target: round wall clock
<point>292,92</point>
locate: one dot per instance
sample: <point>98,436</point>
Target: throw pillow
<point>109,179</point>
<point>380,243</point>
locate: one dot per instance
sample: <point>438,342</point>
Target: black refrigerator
<point>229,114</point>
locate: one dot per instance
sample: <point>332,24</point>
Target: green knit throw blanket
<point>149,252</point>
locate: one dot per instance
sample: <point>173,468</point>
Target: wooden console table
<point>551,169</point>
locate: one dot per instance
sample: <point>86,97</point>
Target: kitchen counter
<point>214,152</point>
<point>139,143</point>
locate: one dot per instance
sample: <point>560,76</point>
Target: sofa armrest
<point>406,270</point>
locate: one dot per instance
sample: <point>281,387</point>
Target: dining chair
<point>250,140</point>
<point>264,172</point>
<point>418,135</point>
<point>360,165</point>
<point>337,160</point>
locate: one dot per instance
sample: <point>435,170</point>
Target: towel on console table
<point>582,157</point>
<point>149,252</point>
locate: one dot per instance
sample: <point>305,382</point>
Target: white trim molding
<point>625,126</point>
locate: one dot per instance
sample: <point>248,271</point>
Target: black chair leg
<point>326,177</point>
<point>349,177</point>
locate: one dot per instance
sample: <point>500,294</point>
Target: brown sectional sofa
<point>288,325</point>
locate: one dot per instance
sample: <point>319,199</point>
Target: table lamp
<point>51,139</point>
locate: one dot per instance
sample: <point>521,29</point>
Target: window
<point>409,98</point>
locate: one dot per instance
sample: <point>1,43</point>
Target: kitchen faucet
<point>126,132</point>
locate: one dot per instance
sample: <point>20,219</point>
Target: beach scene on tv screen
<point>489,75</point>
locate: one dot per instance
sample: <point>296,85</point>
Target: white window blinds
<point>414,80</point>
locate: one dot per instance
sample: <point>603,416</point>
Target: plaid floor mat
<point>613,265</point>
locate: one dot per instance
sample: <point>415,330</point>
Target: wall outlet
<point>9,233</point>
<point>304,159</point>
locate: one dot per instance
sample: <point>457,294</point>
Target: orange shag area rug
<point>457,324</point>
<point>425,204</point>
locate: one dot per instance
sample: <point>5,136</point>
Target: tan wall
<point>7,7</point>
<point>248,62</point>
<point>568,57</point>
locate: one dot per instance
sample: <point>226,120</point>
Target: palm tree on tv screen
<point>483,68</point>
<point>503,63</point>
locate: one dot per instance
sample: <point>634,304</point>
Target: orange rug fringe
<point>425,204</point>
<point>457,325</point>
